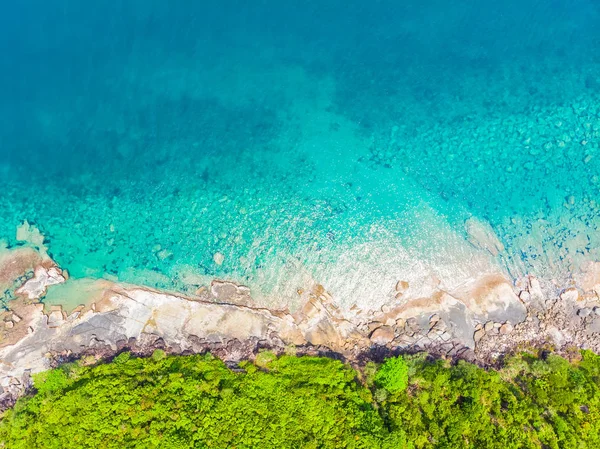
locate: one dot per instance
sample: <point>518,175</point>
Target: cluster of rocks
<point>383,149</point>
<point>479,321</point>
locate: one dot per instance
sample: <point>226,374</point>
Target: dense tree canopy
<point>310,402</point>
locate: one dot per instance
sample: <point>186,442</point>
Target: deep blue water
<point>338,142</point>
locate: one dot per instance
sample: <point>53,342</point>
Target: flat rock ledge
<point>480,322</point>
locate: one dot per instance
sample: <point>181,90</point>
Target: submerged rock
<point>219,258</point>
<point>31,234</point>
<point>230,292</point>
<point>482,236</point>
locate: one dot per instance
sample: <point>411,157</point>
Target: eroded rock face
<point>492,297</point>
<point>383,335</point>
<point>589,279</point>
<point>416,314</point>
<point>323,324</point>
<point>43,278</point>
<point>16,264</point>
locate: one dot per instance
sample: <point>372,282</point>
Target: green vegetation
<point>393,375</point>
<point>307,402</point>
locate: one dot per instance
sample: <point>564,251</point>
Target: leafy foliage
<point>530,403</point>
<point>393,375</point>
<point>195,402</point>
<point>308,402</point>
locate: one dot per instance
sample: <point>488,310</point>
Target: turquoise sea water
<point>279,143</point>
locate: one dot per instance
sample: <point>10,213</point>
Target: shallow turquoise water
<point>321,141</point>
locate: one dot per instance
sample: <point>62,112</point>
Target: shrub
<point>264,358</point>
<point>393,375</point>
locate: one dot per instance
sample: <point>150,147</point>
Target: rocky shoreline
<point>479,322</point>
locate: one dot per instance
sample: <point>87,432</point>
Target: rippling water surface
<point>284,143</point>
